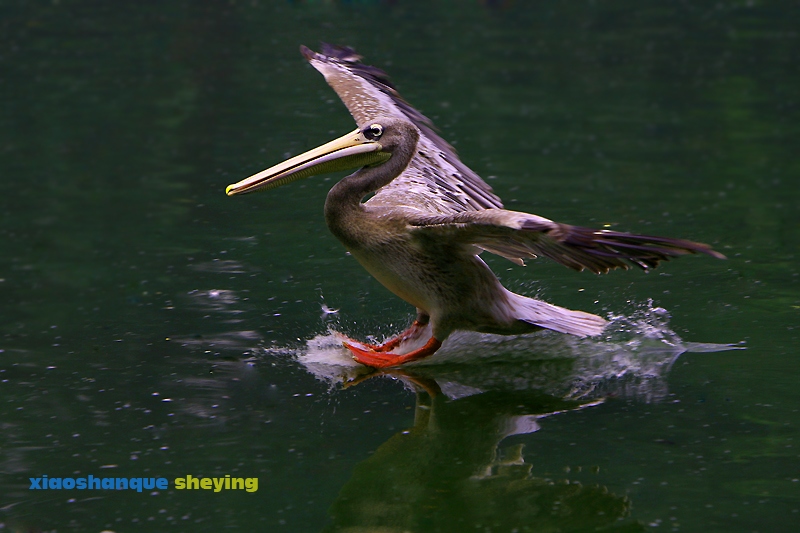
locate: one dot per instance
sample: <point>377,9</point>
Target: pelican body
<point>431,217</point>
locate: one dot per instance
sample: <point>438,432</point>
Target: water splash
<point>647,322</point>
<point>631,359</point>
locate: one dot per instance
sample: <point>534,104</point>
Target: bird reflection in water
<point>450,472</point>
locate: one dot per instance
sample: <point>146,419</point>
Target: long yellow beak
<point>349,151</point>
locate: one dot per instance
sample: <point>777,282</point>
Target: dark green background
<point>128,278</point>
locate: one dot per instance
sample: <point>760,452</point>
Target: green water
<point>152,327</point>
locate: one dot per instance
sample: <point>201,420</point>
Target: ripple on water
<point>222,266</point>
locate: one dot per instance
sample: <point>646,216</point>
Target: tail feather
<point>549,316</point>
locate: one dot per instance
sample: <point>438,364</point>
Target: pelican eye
<point>374,132</point>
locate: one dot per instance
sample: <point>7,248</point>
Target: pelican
<point>422,231</point>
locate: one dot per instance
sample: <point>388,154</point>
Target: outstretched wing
<point>435,181</point>
<point>519,236</point>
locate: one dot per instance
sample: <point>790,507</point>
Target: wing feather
<point>443,198</point>
<point>436,181</point>
<point>519,236</point>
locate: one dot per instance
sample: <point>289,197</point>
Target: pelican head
<point>368,146</point>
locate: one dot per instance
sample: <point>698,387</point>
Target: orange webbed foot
<point>367,355</point>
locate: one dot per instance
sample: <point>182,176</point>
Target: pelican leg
<point>413,331</point>
<point>383,359</point>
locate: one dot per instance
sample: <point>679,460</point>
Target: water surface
<point>152,326</point>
